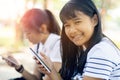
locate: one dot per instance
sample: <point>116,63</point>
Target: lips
<point>77,37</point>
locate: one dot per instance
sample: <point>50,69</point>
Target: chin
<point>32,42</point>
<point>78,44</point>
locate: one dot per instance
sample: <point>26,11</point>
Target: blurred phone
<point>7,59</point>
<point>41,61</point>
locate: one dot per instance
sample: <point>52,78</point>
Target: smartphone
<point>7,59</point>
<point>41,61</point>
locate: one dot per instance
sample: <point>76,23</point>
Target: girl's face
<point>31,35</point>
<point>80,29</point>
<point>35,36</point>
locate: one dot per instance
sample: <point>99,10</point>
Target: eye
<point>27,33</point>
<point>77,22</point>
<point>66,25</point>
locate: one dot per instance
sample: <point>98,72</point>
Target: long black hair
<point>35,17</point>
<point>70,51</point>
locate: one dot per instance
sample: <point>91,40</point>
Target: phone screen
<point>41,61</point>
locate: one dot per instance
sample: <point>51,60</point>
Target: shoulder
<point>51,41</point>
<point>106,50</point>
<point>55,36</point>
<point>55,40</point>
<point>55,48</point>
<point>102,59</point>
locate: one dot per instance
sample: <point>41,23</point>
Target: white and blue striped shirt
<point>103,61</point>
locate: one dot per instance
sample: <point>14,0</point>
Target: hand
<point>46,78</point>
<point>47,61</point>
<point>53,75</point>
<point>11,61</point>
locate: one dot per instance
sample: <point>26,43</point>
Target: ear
<point>43,29</point>
<point>95,20</point>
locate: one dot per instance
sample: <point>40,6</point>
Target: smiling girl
<point>87,54</point>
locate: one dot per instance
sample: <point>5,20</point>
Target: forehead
<point>78,15</point>
<point>27,28</point>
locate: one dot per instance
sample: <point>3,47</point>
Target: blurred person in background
<point>40,28</point>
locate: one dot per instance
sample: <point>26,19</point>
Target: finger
<point>40,66</point>
<point>43,55</point>
<point>3,58</point>
<point>43,70</point>
<point>46,72</point>
<point>34,58</point>
<point>10,56</point>
<point>9,63</point>
<point>38,62</point>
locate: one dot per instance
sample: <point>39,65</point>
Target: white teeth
<point>78,37</point>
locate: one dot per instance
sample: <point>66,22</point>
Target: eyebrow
<point>77,18</point>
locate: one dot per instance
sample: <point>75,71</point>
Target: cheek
<point>27,37</point>
<point>89,33</point>
<point>67,32</point>
<point>89,27</point>
<point>31,37</point>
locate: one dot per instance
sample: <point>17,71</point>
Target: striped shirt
<point>103,61</point>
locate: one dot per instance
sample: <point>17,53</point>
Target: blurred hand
<point>46,78</point>
<point>11,61</point>
<point>47,61</point>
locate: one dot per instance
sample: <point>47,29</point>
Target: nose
<point>25,36</point>
<point>71,31</point>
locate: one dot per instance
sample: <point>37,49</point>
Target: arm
<point>17,66</point>
<point>100,64</point>
<point>54,75</point>
<point>55,57</point>
<point>57,66</point>
<point>91,78</point>
<point>28,76</point>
